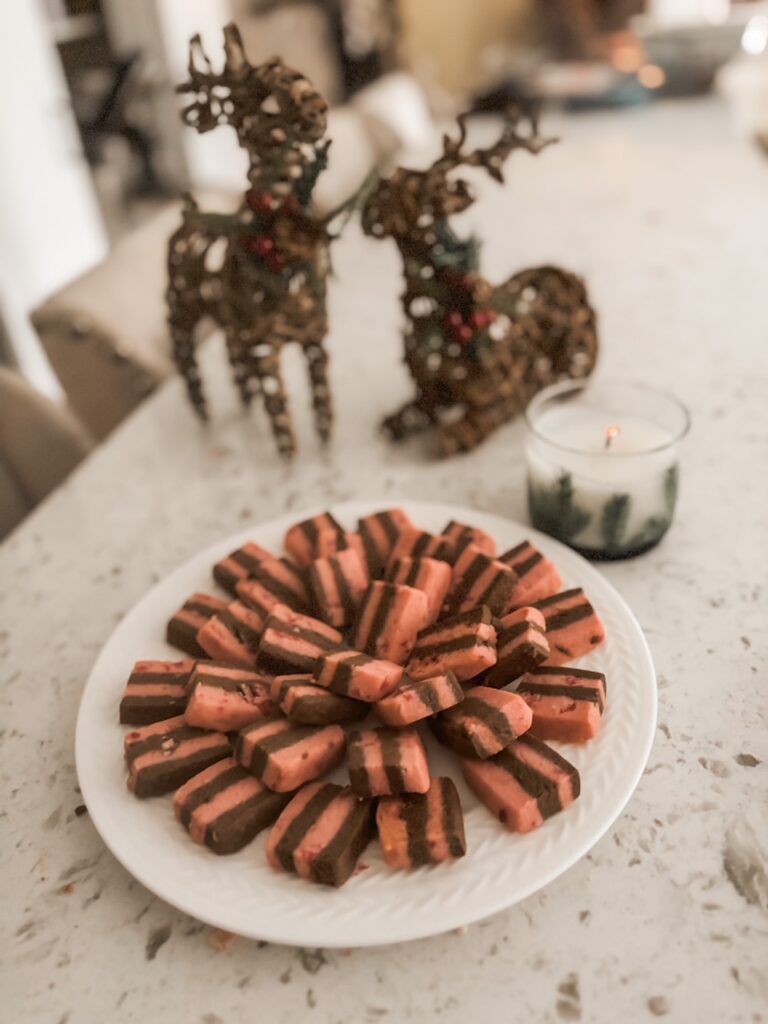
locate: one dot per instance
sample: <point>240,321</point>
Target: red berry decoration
<point>263,245</point>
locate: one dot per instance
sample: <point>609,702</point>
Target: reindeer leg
<point>267,370</point>
<point>414,417</point>
<point>475,425</point>
<point>317,362</point>
<point>182,328</point>
<point>246,385</point>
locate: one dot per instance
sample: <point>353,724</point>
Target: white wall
<point>50,227</point>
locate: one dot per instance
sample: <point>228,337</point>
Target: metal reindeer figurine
<point>476,351</point>
<point>259,273</point>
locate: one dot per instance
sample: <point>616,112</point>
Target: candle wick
<point>610,434</point>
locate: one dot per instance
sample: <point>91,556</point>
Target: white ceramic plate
<point>242,894</point>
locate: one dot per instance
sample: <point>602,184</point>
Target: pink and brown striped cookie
<point>292,643</point>
<point>422,828</point>
<point>388,621</point>
<point>428,574</point>
<point>284,756</point>
<point>303,702</point>
<point>537,577</point>
<point>524,784</point>
<point>240,565</point>
<point>416,699</point>
<point>224,807</point>
<point>321,834</point>
<point>464,645</point>
<point>357,675</point>
<point>485,722</point>
<point>232,635</point>
<point>416,543</point>
<point>479,580</point>
<point>155,690</point>
<point>337,584</point>
<point>387,762</point>
<point>379,533</point>
<point>185,624</point>
<point>567,703</point>
<point>573,626</point>
<point>163,756</point>
<point>521,645</point>
<point>280,577</point>
<point>318,537</point>
<point>461,535</point>
<point>227,697</point>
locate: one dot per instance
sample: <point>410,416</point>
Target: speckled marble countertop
<point>667,917</point>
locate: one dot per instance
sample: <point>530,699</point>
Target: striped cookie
<point>480,580</point>
<point>464,645</point>
<point>460,535</point>
<point>427,574</point>
<point>537,577</point>
<point>232,635</point>
<point>524,784</point>
<point>294,643</point>
<point>303,702</point>
<point>227,698</point>
<point>352,674</point>
<point>521,645</point>
<point>163,756</point>
<point>573,627</point>
<point>240,565</point>
<point>318,537</point>
<point>416,829</point>
<point>485,722</point>
<point>321,834</point>
<point>155,690</point>
<point>386,762</point>
<point>415,699</point>
<point>225,807</point>
<point>420,544</point>
<point>337,585</point>
<point>567,703</point>
<point>183,627</point>
<point>388,621</point>
<point>284,756</point>
<point>379,534</point>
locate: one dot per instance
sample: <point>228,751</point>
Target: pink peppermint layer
<point>321,834</point>
<point>567,703</point>
<point>163,756</point>
<point>318,537</point>
<point>480,581</point>
<point>419,544</point>
<point>461,535</point>
<point>416,699</point>
<point>279,576</point>
<point>464,645</point>
<point>573,627</point>
<point>303,702</point>
<point>537,577</point>
<point>379,533</point>
<point>293,643</point>
<point>284,756</point>
<point>352,674</point>
<point>228,698</point>
<point>337,584</point>
<point>523,784</point>
<point>485,722</point>
<point>386,762</point>
<point>240,565</point>
<point>421,828</point>
<point>427,574</point>
<point>225,807</point>
<point>183,627</point>
<point>388,621</point>
<point>521,645</point>
<point>232,635</point>
<point>155,690</point>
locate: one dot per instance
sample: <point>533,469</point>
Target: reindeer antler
<point>492,158</point>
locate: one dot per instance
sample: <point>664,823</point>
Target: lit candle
<point>603,465</point>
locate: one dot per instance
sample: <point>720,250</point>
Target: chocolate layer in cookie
<point>417,829</point>
<point>285,756</point>
<point>388,621</point>
<point>227,698</point>
<point>464,645</point>
<point>485,722</point>
<point>163,756</point>
<point>521,645</point>
<point>183,627</point>
<point>155,690</point>
<point>567,703</point>
<point>416,699</point>
<point>386,762</point>
<point>573,627</point>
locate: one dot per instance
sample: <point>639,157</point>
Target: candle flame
<point>610,434</point>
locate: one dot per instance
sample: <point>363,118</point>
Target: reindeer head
<point>279,117</point>
<point>408,204</point>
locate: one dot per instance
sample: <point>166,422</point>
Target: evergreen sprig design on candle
<point>555,511</point>
<point>613,521</point>
<point>671,482</point>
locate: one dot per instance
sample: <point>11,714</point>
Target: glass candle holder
<point>603,465</point>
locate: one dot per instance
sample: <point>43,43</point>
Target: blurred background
<point>93,154</point>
